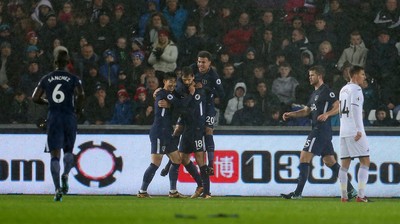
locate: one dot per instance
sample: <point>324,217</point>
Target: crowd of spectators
<point>262,50</point>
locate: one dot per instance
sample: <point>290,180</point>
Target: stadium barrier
<point>250,161</point>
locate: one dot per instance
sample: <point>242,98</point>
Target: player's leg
<point>175,141</point>
<point>149,174</point>
<point>210,147</point>
<point>173,174</point>
<point>200,158</point>
<point>68,157</point>
<point>362,176</point>
<point>330,161</point>
<point>55,172</point>
<point>192,170</point>
<point>343,178</point>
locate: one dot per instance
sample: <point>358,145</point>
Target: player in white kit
<point>353,140</point>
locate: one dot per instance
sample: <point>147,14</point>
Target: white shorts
<point>349,148</point>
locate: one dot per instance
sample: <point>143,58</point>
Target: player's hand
<point>155,92</point>
<point>322,117</point>
<point>199,85</point>
<point>164,104</point>
<point>149,110</point>
<point>192,89</point>
<point>358,136</point>
<point>217,101</point>
<point>286,116</point>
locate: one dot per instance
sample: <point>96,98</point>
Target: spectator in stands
<point>189,45</point>
<point>381,63</point>
<point>91,79</point>
<point>228,81</point>
<point>371,96</point>
<point>42,8</point>
<point>96,8</point>
<point>265,100</point>
<point>50,31</point>
<point>86,57</point>
<point>226,16</point>
<point>125,82</point>
<point>249,115</point>
<point>383,118</point>
<point>285,86</point>
<point>223,57</point>
<point>66,14</point>
<point>259,74</point>
<point>389,18</point>
<point>339,22</point>
<point>151,85</point>
<point>144,114</point>
<point>122,23</point>
<point>320,33</point>
<point>236,102</point>
<point>123,109</point>
<point>77,31</point>
<point>30,77</point>
<point>145,17</point>
<point>101,34</point>
<point>327,58</point>
<point>237,39</point>
<point>267,46</point>
<point>98,108</point>
<point>356,53</point>
<point>363,15</point>
<point>19,108</point>
<point>274,118</point>
<point>176,17</point>
<point>9,68</point>
<point>137,69</point>
<point>296,47</point>
<point>280,58</point>
<point>164,55</point>
<point>245,68</point>
<point>268,22</point>
<point>157,22</point>
<point>109,69</point>
<point>209,27</point>
<point>122,53</point>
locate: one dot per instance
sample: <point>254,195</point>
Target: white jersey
<point>351,101</point>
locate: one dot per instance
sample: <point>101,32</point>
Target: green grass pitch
<point>77,209</point>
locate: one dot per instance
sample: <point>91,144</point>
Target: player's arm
<point>295,114</point>
<point>330,113</point>
<point>80,99</point>
<point>37,96</point>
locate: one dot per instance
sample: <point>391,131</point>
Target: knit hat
<point>108,53</point>
<point>138,54</point>
<point>4,27</point>
<point>119,7</point>
<point>30,35</point>
<point>5,44</point>
<point>138,41</point>
<point>139,90</point>
<point>163,32</point>
<point>123,92</point>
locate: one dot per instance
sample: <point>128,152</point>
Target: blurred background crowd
<point>262,50</point>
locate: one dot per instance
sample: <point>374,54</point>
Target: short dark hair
<point>169,75</point>
<point>62,59</point>
<point>204,54</point>
<point>319,69</point>
<point>355,69</point>
<point>187,71</point>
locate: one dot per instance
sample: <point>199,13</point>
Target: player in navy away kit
<point>322,105</point>
<point>161,135</point>
<point>65,97</point>
<point>192,140</point>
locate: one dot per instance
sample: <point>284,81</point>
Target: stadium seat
<point>371,115</point>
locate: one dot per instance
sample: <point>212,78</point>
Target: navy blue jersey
<point>59,87</point>
<point>211,83</point>
<point>163,118</point>
<point>321,101</point>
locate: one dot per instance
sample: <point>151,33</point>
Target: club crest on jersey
<point>170,97</point>
<point>204,81</point>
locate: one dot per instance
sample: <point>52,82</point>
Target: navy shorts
<point>61,132</point>
<point>192,143</point>
<point>319,144</point>
<point>162,145</point>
